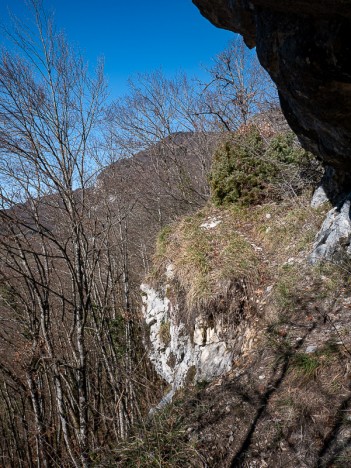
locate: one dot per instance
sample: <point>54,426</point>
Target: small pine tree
<point>248,170</point>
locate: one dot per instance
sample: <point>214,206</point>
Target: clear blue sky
<point>135,36</point>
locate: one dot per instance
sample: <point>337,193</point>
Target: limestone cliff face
<point>183,355</point>
<point>178,356</point>
<point>305,46</point>
<point>231,299</point>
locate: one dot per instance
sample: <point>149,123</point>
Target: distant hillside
<point>156,186</point>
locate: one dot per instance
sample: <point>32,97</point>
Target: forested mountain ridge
<point>235,351</point>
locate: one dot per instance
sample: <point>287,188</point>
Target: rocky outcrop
<point>305,47</point>
<point>179,357</point>
<point>333,242</point>
<point>183,354</point>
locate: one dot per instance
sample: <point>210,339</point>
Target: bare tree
<point>238,88</point>
<point>161,121</point>
<point>65,308</point>
<point>74,246</point>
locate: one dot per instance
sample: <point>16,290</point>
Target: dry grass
<point>227,268</point>
<point>305,395</point>
<point>162,441</point>
<point>206,261</point>
<point>283,230</point>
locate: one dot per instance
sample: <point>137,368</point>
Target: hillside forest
<point>90,189</point>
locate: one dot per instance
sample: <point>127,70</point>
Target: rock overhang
<point>306,48</point>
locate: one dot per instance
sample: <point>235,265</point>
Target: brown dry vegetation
<point>76,386</point>
<point>287,402</point>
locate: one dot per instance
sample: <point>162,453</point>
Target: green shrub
<point>248,170</point>
<point>238,173</point>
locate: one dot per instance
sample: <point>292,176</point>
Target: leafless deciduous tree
<point>74,246</point>
<point>238,88</point>
<point>162,125</point>
<point>67,317</point>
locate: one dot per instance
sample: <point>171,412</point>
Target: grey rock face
<point>178,357</point>
<point>319,197</point>
<point>182,353</point>
<point>306,47</point>
<point>333,240</point>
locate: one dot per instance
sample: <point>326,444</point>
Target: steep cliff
<point>251,339</point>
<point>258,338</point>
<point>198,308</point>
<point>305,47</point>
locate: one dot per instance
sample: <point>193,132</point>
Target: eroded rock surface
<point>305,46</point>
<point>178,356</point>
<point>183,354</point>
<point>333,242</point>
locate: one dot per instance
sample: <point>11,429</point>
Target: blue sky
<point>135,36</point>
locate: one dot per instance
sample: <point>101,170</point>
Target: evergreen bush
<point>249,170</point>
